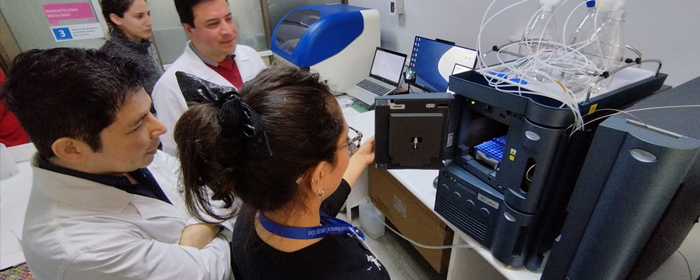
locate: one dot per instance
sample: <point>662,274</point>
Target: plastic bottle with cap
<point>608,46</point>
<point>581,36</point>
<point>587,26</point>
<point>542,28</point>
<point>371,220</point>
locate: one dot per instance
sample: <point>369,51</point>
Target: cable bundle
<point>552,69</point>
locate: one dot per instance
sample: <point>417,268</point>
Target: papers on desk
<point>13,257</point>
<point>14,196</point>
<point>8,167</point>
<point>22,153</point>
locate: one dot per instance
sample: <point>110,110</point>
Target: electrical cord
<point>598,110</point>
<point>527,173</point>
<point>376,215</point>
<point>690,272</point>
<point>483,24</point>
<point>628,112</point>
<point>539,67</point>
<point>527,69</point>
<point>654,108</point>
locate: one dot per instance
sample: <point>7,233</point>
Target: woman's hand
<point>359,161</point>
<point>366,151</point>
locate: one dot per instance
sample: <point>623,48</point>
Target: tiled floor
<point>401,259</point>
<point>20,272</point>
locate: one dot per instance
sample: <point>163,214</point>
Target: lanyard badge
<point>329,225</point>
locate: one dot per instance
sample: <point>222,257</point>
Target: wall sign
<point>72,21</point>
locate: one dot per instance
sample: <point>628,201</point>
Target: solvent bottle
<point>585,29</point>
<point>583,35</point>
<point>608,48</point>
<point>542,29</point>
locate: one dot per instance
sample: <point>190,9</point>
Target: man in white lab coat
<point>105,203</point>
<point>212,54</point>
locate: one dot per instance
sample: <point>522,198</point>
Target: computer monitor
<point>434,61</point>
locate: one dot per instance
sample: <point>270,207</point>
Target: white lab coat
<point>168,99</point>
<point>79,229</point>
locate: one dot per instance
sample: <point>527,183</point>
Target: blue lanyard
<point>329,225</point>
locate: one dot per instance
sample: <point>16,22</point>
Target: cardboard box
<point>411,217</point>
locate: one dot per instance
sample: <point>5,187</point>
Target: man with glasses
<point>105,203</point>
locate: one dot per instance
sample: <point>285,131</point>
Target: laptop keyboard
<point>372,87</point>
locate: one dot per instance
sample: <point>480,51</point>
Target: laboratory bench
<point>463,263</point>
<point>478,262</point>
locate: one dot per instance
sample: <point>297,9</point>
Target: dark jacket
<point>143,53</point>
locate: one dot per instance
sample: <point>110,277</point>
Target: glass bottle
<point>542,30</point>
<point>587,26</point>
<point>537,37</point>
<point>577,80</point>
<point>608,46</point>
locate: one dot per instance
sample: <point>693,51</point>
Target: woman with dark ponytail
<point>281,147</point>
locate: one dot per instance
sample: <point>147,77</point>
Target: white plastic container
<point>371,220</point>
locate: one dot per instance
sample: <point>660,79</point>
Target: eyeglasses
<point>354,140</point>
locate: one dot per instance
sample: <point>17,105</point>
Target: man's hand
<point>199,235</point>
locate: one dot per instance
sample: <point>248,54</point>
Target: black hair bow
<point>238,117</point>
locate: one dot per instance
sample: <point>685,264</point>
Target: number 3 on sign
<point>62,33</point>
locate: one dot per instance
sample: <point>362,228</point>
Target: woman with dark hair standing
<point>129,23</point>
<point>281,147</point>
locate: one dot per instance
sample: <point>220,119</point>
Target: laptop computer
<point>458,68</point>
<point>384,76</point>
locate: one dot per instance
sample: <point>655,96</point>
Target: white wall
<point>666,30</point>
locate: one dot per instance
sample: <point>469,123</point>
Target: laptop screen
<point>434,61</point>
<point>387,66</point>
<point>459,68</point>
